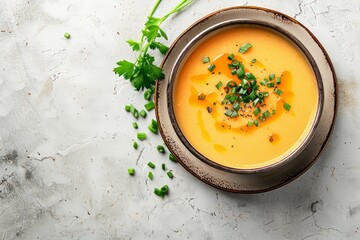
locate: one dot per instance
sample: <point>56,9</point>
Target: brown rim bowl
<point>270,176</point>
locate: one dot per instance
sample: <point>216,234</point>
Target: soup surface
<point>245,97</point>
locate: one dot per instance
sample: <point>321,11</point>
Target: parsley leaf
<point>142,73</point>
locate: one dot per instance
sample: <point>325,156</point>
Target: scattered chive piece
<point>158,192</point>
<point>152,129</point>
<point>141,136</point>
<point>287,106</point>
<point>150,175</point>
<point>231,84</point>
<point>273,112</point>
<point>245,47</point>
<point>271,76</point>
<point>163,167</point>
<point>150,164</point>
<point>231,56</point>
<point>143,113</point>
<point>267,114</point>
<point>218,85</point>
<point>270,84</point>
<point>256,122</point>
<point>228,112</point>
<point>147,94</point>
<point>131,171</point>
<point>135,125</point>
<point>160,149</point>
<point>256,101</point>
<point>169,173</point>
<point>149,105</point>
<point>236,106</point>
<point>201,96</point>
<point>278,80</point>
<point>278,91</point>
<point>134,111</point>
<point>172,158</point>
<point>261,118</point>
<point>265,94</point>
<point>127,108</point>
<point>211,67</point>
<point>250,123</point>
<point>256,111</point>
<point>254,60</point>
<point>135,145</point>
<point>205,60</point>
<point>233,72</point>
<point>67,35</point>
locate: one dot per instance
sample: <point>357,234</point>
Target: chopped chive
<point>172,158</point>
<point>261,118</point>
<point>143,113</point>
<point>147,94</point>
<point>233,91</point>
<point>250,123</point>
<point>278,91</point>
<point>141,136</point>
<point>150,164</point>
<point>256,122</point>
<point>267,114</point>
<point>152,89</point>
<point>278,80</point>
<point>135,125</point>
<point>252,96</point>
<point>206,59</point>
<point>271,76</point>
<point>245,47</point>
<point>149,105</point>
<point>211,67</point>
<point>165,189</point>
<point>228,112</point>
<point>154,124</point>
<point>127,108</point>
<point>230,66</point>
<point>150,175</point>
<point>262,83</point>
<point>218,85</point>
<point>287,106</point>
<point>240,73</point>
<point>135,145</point>
<point>170,174</point>
<point>233,98</point>
<point>236,106</point>
<point>131,171</point>
<point>266,94</point>
<point>273,111</point>
<point>160,149</point>
<point>270,84</point>
<point>233,72</point>
<point>152,129</point>
<point>249,75</point>
<point>254,60</point>
<point>235,63</point>
<point>201,96</point>
<point>227,96</point>
<point>163,167</point>
<point>231,84</point>
<point>231,56</point>
<point>158,192</point>
<point>67,35</point>
<point>256,111</point>
<point>256,101</point>
<point>234,114</point>
<point>134,111</point>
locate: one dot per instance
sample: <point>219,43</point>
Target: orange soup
<point>246,97</point>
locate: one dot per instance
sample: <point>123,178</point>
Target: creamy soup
<point>245,97</point>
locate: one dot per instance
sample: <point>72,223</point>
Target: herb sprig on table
<point>143,73</point>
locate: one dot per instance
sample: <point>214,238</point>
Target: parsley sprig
<point>143,72</point>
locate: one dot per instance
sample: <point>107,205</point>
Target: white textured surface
<point>65,140</point>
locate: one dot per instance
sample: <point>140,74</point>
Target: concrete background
<point>65,140</point>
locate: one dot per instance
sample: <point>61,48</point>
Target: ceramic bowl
<point>270,176</point>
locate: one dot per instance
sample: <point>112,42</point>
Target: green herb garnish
<point>245,47</point>
<point>141,136</point>
<point>287,106</point>
<point>205,60</point>
<point>142,73</point>
<point>131,171</point>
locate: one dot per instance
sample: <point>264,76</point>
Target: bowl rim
<point>212,30</point>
